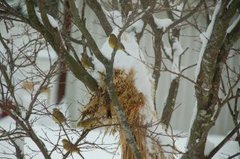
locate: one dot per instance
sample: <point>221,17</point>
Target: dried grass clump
<point>129,97</point>
<point>96,111</point>
<point>131,100</point>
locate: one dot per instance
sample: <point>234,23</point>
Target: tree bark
<point>67,25</point>
<point>96,7</point>
<point>208,82</point>
<point>170,102</point>
<point>119,110</point>
<point>53,36</point>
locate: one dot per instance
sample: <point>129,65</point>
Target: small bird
<point>114,44</point>
<point>58,116</point>
<point>86,61</point>
<point>88,123</point>
<point>45,89</point>
<point>70,147</point>
<point>27,85</point>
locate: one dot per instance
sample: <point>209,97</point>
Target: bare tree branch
<point>221,144</point>
<point>96,7</point>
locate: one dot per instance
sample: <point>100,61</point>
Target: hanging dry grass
<point>130,99</point>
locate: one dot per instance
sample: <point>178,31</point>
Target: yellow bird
<point>58,116</point>
<point>114,44</point>
<point>70,147</point>
<point>45,90</point>
<point>88,123</point>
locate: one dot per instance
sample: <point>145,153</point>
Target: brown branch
<point>207,12</point>
<point>96,7</point>
<point>158,33</point>
<point>18,149</point>
<point>55,40</point>
<point>83,135</point>
<point>170,102</point>
<point>67,25</point>
<point>8,12</point>
<point>115,5</point>
<point>223,142</point>
<point>174,86</point>
<point>168,7</point>
<point>119,109</point>
<point>126,7</point>
<point>27,128</point>
<point>233,156</point>
<point>90,41</point>
<point>181,73</point>
<point>234,113</point>
<point>44,15</point>
<point>208,83</point>
<point>176,22</point>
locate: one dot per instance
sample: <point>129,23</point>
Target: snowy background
<point>76,93</point>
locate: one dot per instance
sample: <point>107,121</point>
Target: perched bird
<point>86,61</point>
<point>70,147</point>
<point>58,116</point>
<point>114,44</point>
<point>88,123</point>
<point>27,85</point>
<point>45,90</point>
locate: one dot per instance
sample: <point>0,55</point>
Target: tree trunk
<point>208,81</point>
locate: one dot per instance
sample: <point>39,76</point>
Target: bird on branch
<point>58,116</point>
<point>114,43</point>
<point>70,147</point>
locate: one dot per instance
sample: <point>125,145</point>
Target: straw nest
<point>99,112</point>
<point>100,106</point>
